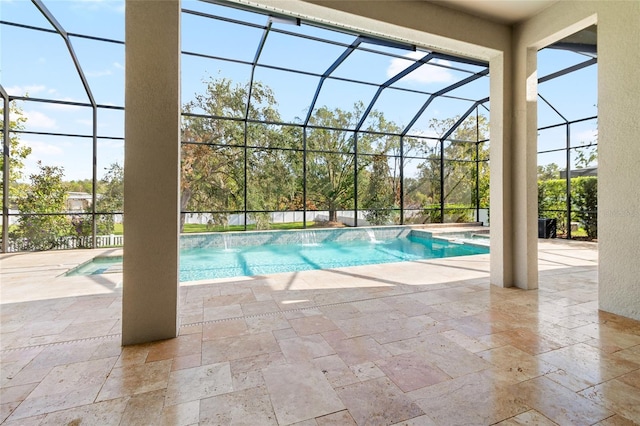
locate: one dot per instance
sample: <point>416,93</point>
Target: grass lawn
<point>195,227</point>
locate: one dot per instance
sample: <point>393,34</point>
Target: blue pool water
<point>207,263</point>
<point>201,263</point>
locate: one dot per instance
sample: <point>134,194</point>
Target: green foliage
<point>460,174</point>
<point>548,172</point>
<point>454,213</point>
<point>552,202</point>
<point>109,200</point>
<point>18,152</point>
<point>38,225</point>
<point>213,160</point>
<point>379,193</point>
<point>585,199</point>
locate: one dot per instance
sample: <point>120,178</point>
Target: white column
<point>619,159</point>
<point>152,165</point>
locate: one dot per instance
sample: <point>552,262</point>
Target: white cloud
<point>36,119</point>
<point>425,74</point>
<point>41,149</point>
<point>26,90</point>
<point>118,65</point>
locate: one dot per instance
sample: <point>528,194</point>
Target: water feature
<point>308,238</point>
<point>302,251</point>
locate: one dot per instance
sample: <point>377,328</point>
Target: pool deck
<point>414,343</point>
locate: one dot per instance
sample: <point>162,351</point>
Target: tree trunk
<point>333,216</point>
<point>185,196</point>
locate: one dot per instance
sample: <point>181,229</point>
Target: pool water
<point>198,264</point>
<point>207,263</point>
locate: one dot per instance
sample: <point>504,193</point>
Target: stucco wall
<point>618,130</point>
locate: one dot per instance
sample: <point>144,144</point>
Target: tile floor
<point>422,343</point>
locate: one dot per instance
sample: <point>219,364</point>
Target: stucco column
<point>618,159</point>
<point>514,260</point>
<point>152,165</point>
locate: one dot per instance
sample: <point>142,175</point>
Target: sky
<point>38,64</point>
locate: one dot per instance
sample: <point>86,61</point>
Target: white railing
<point>64,243</point>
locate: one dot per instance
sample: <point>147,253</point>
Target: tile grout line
<point>198,323</point>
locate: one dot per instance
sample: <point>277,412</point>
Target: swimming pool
<point>229,255</point>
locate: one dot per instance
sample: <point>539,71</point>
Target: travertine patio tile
<point>245,407</point>
<point>616,421</point>
<point>188,344</point>
<point>104,413</point>
<point>267,323</point>
<point>405,316</point>
<point>366,371</point>
<point>466,342</point>
<point>632,379</point>
<point>312,325</point>
<point>222,312</point>
<point>588,363</point>
<point>335,370</point>
<point>516,364</point>
<point>408,305</point>
<point>531,417</point>
<point>448,356</point>
<point>617,396</point>
<point>247,372</point>
<point>527,341</point>
<point>144,408</point>
<point>378,402</point>
<point>479,398</point>
<point>341,418</point>
<point>16,393</point>
<point>134,379</point>
<point>305,348</point>
<point>359,350</point>
<point>66,386</point>
<point>185,414</point>
<point>558,403</point>
<point>299,393</point>
<point>263,307</point>
<point>197,383</point>
<point>223,329</point>
<point>423,420</point>
<point>230,348</point>
<point>411,371</point>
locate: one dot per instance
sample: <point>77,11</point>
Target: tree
<point>379,193</point>
<point>460,174</point>
<point>40,225</point>
<point>585,199</point>
<point>17,151</point>
<point>111,197</point>
<point>331,162</point>
<point>548,171</point>
<point>109,200</point>
<point>213,153</point>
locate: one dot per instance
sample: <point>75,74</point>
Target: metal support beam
<point>440,93</point>
<point>463,117</point>
<point>391,81</point>
<point>401,180</point>
<point>568,70</point>
<point>256,58</point>
<point>65,36</point>
<point>328,72</point>
<point>6,156</point>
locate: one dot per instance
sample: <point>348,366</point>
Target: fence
<point>64,243</point>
